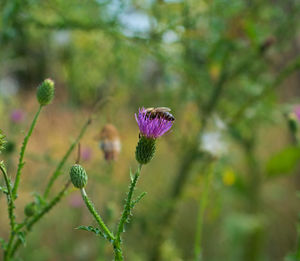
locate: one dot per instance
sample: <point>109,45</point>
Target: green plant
<point>34,211</point>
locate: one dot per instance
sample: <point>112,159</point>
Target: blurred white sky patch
<point>170,37</point>
<point>135,22</point>
<point>8,87</point>
<point>213,143</point>
<point>114,6</point>
<point>221,125</point>
<point>62,37</point>
<point>173,1</point>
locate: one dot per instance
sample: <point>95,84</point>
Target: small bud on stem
<point>78,176</point>
<point>45,92</point>
<point>145,150</point>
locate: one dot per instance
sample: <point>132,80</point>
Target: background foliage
<point>223,183</point>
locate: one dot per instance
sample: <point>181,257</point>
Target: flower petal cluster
<point>152,127</point>
<point>297,112</point>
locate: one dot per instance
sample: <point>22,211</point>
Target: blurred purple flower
<point>17,116</point>
<point>75,201</point>
<point>297,111</point>
<point>86,154</point>
<point>152,127</point>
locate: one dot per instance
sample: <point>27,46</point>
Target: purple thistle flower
<point>17,116</point>
<point>152,127</point>
<point>75,201</point>
<point>86,154</point>
<point>297,112</point>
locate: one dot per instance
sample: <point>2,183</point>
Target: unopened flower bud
<point>110,142</point>
<point>9,147</point>
<point>293,122</point>
<point>2,141</point>
<point>145,150</point>
<point>30,209</point>
<point>45,92</point>
<point>78,176</point>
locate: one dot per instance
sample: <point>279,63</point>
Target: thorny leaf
<point>283,162</point>
<point>39,200</point>
<point>137,200</point>
<point>21,236</point>
<point>3,243</point>
<point>4,190</point>
<point>131,175</point>
<point>95,230</point>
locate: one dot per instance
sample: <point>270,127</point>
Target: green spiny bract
<point>2,141</point>
<point>30,209</point>
<point>45,92</point>
<point>78,176</point>
<point>145,150</point>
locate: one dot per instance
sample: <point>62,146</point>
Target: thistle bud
<point>10,147</point>
<point>2,141</point>
<point>78,176</point>
<point>30,209</point>
<point>145,150</point>
<point>293,122</point>
<point>45,92</point>
<point>110,142</point>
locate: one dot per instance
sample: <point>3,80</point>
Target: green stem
<point>22,153</point>
<point>127,207</point>
<point>38,216</point>
<point>254,240</point>
<point>9,196</point>
<point>11,207</point>
<point>57,171</point>
<point>201,211</point>
<point>97,217</point>
<point>125,216</point>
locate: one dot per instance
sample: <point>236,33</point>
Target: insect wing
<point>163,109</point>
<point>149,109</point>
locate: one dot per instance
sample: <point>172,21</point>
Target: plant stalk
<point>22,153</point>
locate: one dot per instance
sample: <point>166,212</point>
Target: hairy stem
<point>11,207</point>
<point>22,153</point>
<point>97,217</point>
<point>57,171</point>
<point>125,216</point>
<point>127,207</point>
<point>39,215</point>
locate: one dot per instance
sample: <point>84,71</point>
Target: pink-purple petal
<point>152,128</point>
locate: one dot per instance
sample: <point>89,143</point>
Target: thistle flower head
<point>296,112</point>
<point>2,141</point>
<point>78,176</point>
<point>152,127</point>
<point>45,92</point>
<point>17,116</point>
<point>30,209</point>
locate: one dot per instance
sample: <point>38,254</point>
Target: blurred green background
<point>223,183</point>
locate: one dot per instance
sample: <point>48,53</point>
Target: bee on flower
<point>153,123</point>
